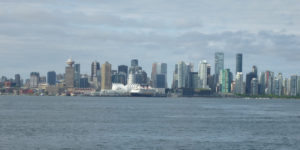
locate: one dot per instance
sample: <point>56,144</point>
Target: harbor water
<point>148,123</point>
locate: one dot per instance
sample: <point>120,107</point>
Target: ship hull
<point>140,95</point>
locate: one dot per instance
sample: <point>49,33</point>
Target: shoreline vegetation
<point>268,96</point>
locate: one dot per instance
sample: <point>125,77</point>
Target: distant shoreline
<point>213,96</point>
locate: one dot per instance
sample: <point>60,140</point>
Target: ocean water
<point>148,123</point>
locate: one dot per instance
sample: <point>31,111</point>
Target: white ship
<point>143,92</point>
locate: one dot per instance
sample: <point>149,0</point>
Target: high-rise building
<point>34,79</point>
<point>84,82</point>
<point>254,86</point>
<point>70,74</point>
<point>118,77</point>
<point>175,78</point>
<point>202,74</point>
<point>293,85</point>
<point>77,75</point>
<point>194,80</point>
<point>158,69</point>
<point>106,83</point>
<point>208,69</point>
<point>123,71</point>
<point>239,83</point>
<point>43,79</point>
<point>249,77</point>
<point>18,80</point>
<point>225,80</point>
<point>134,63</point>
<point>182,75</point>
<point>261,85</point>
<point>141,77</point>
<point>51,78</point>
<point>278,85</point>
<point>254,69</point>
<point>135,68</point>
<point>239,62</point>
<point>164,71</point>
<point>268,85</point>
<point>95,71</point>
<point>160,80</point>
<point>219,62</point>
<point>123,68</point>
<point>289,86</point>
<point>298,85</point>
<point>285,86</point>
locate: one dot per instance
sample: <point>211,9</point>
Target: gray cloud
<point>41,35</point>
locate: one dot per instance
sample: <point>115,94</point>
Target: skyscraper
<point>84,82</point>
<point>239,62</point>
<point>254,86</point>
<point>34,79</point>
<point>51,77</point>
<point>293,85</point>
<point>249,77</point>
<point>123,68</point>
<point>219,62</point>
<point>239,84</point>
<point>225,80</point>
<point>18,80</point>
<point>159,69</point>
<point>182,74</point>
<point>95,71</point>
<point>175,78</point>
<point>141,77</point>
<point>254,69</point>
<point>123,73</point>
<point>208,69</point>
<point>77,75</point>
<point>194,80</point>
<point>70,74</point>
<point>118,77</point>
<point>298,85</point>
<point>261,85</point>
<point>106,83</point>
<point>202,74</point>
<point>278,85</point>
<point>154,73</point>
<point>269,78</point>
<point>134,63</point>
<point>160,81</point>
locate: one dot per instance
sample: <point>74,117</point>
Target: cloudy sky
<point>40,35</point>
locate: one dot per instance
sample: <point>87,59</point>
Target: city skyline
<point>170,68</point>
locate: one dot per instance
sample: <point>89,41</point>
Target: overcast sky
<point>40,35</point>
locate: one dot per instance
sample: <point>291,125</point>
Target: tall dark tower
<point>254,69</point>
<point>123,73</point>
<point>134,63</point>
<point>18,80</point>
<point>51,78</point>
<point>239,62</point>
<point>123,68</point>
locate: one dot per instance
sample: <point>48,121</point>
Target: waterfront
<point>148,123</point>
